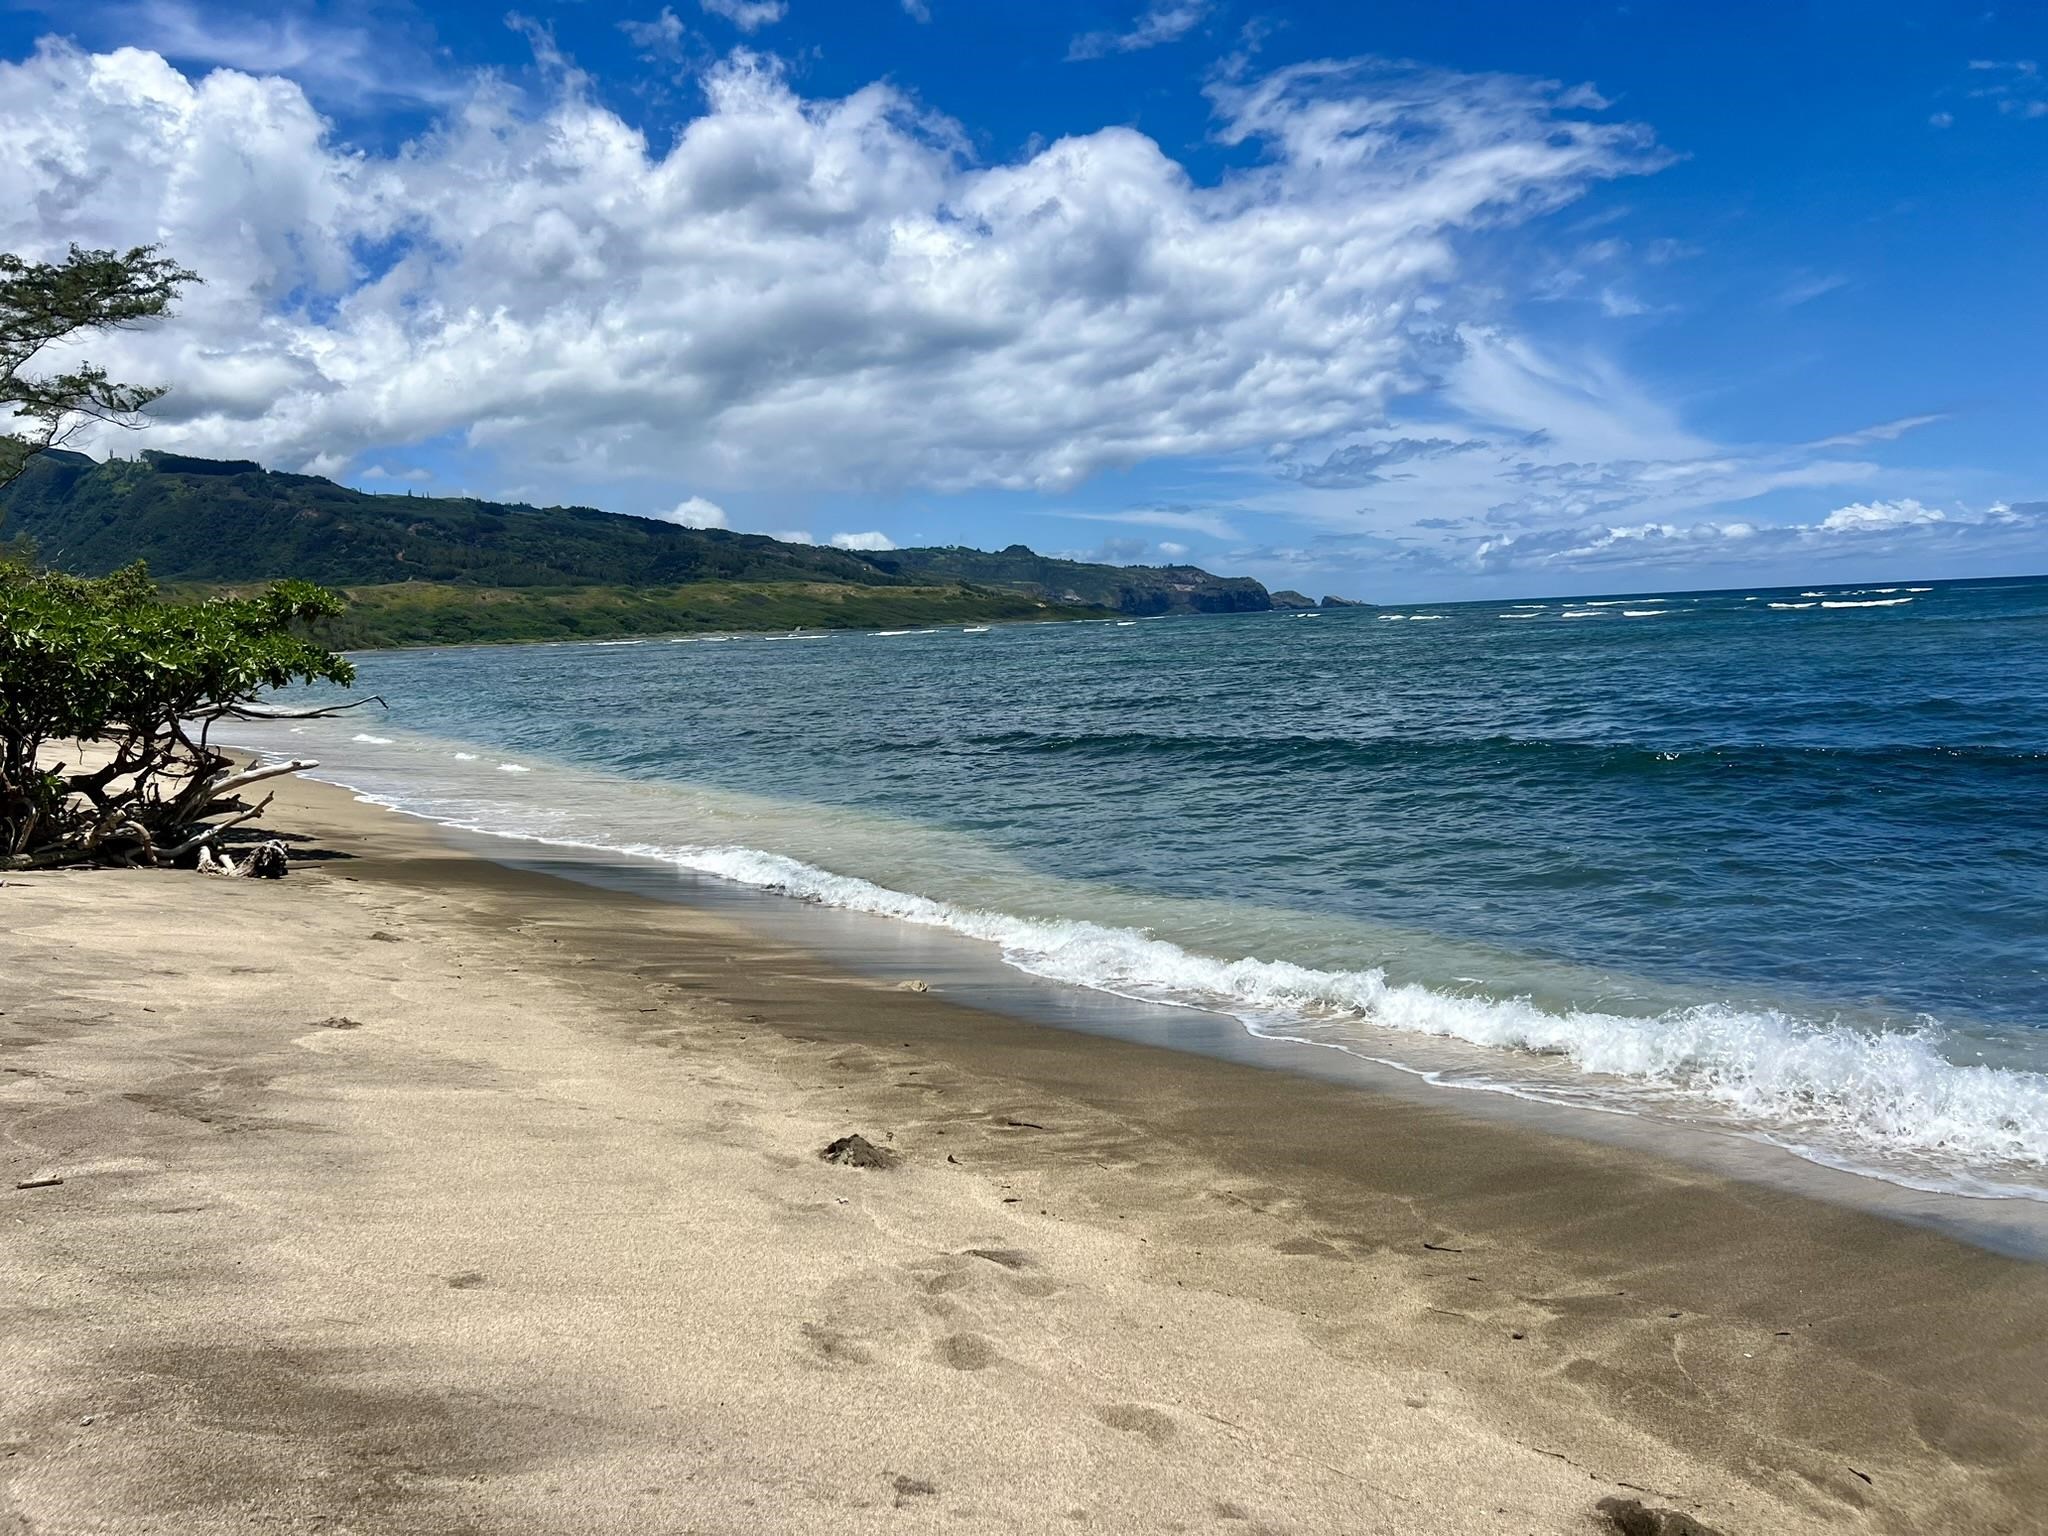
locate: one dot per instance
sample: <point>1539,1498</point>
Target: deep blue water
<point>1783,861</point>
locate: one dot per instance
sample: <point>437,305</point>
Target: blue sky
<point>1400,301</point>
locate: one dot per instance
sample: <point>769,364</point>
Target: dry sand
<point>415,1194</point>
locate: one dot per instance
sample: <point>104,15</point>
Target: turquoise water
<point>1775,861</point>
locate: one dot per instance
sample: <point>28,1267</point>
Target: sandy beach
<point>419,1194</point>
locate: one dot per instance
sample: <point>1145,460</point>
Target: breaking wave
<point>1864,1094</point>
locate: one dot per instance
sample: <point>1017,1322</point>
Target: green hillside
<point>448,613</point>
<point>1137,589</point>
<point>425,568</point>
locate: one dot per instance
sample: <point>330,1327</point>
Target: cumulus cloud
<point>1173,551</point>
<point>693,513</point>
<point>867,541</point>
<point>794,536</point>
<point>1165,21</point>
<point>1877,516</point>
<point>747,15</point>
<point>794,293</point>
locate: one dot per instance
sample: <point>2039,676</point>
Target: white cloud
<point>747,15</point>
<point>794,536</point>
<point>660,38</point>
<point>1162,517</point>
<point>2015,86</point>
<point>779,298</point>
<point>1878,516</point>
<point>693,513</point>
<point>382,472</point>
<point>917,10</point>
<point>1808,286</point>
<point>1173,551</point>
<point>1905,529</point>
<point>1164,21</point>
<point>333,59</point>
<point>867,541</point>
<point>1883,432</point>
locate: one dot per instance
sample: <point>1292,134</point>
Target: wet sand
<point>419,1194</point>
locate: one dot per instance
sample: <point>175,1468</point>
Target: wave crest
<point>1869,1093</point>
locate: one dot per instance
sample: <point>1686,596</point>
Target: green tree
<point>107,662</point>
<point>44,303</point>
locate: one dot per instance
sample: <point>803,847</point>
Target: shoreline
<point>1226,1294</point>
<point>2014,1224</point>
<point>1488,1080</point>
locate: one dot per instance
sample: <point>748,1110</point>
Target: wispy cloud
<point>1883,432</point>
<point>2015,86</point>
<point>336,60</point>
<point>1807,287</point>
<point>917,10</point>
<point>1166,21</point>
<point>1162,517</point>
<point>1362,464</point>
<point>747,15</point>
<point>661,38</point>
<point>1904,528</point>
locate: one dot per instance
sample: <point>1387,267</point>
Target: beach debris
<point>1023,1125</point>
<point>1440,1248</point>
<point>49,1183</point>
<point>1632,1517</point>
<point>466,1280</point>
<point>381,937</point>
<point>266,861</point>
<point>912,985</point>
<point>338,1021</point>
<point>857,1151</point>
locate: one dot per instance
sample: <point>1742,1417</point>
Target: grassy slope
<point>436,613</point>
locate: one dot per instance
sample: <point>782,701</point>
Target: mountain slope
<point>211,521</point>
<point>1137,589</point>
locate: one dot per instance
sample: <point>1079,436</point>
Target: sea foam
<point>1869,1094</point>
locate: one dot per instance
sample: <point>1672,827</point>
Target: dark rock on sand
<point>857,1152</point>
<point>1632,1517</point>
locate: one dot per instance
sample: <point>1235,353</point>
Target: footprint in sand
<point>965,1352</point>
<point>1138,1420</point>
<point>832,1347</point>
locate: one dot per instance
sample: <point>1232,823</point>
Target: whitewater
<point>1693,871</point>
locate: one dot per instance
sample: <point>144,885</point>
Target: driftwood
<point>266,861</point>
<point>164,796</point>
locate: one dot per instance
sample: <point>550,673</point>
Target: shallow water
<point>1764,864</point>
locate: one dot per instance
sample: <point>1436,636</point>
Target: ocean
<point>1770,863</point>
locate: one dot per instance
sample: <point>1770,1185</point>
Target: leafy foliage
<point>45,302</point>
<point>434,613</point>
<point>106,659</point>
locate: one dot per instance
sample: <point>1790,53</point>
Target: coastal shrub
<point>46,302</point>
<point>108,661</point>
